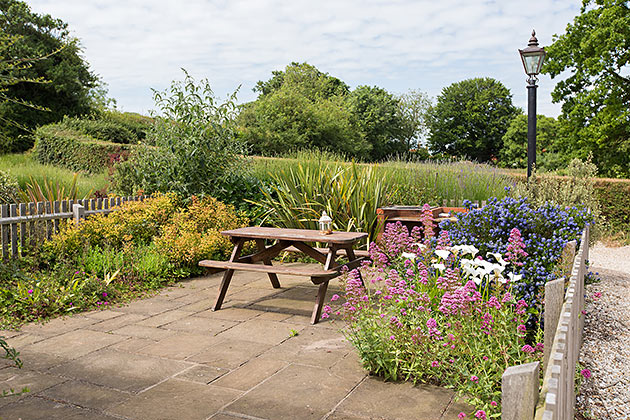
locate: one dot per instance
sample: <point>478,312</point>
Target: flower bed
<point>451,312</point>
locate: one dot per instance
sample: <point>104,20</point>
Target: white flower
<point>420,246</point>
<point>465,249</point>
<point>514,277</point>
<point>442,253</point>
<point>409,255</point>
<point>440,267</point>
<point>498,257</point>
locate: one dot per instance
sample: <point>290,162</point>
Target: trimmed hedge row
<point>614,198</point>
<point>61,146</point>
<point>101,130</point>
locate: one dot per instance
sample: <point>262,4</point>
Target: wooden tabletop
<point>302,235</point>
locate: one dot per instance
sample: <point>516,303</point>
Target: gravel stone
<point>606,347</point>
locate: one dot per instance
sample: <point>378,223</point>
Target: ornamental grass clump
<point>437,313</point>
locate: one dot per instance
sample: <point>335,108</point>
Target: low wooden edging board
<point>564,321</point>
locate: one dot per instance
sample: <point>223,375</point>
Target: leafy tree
<point>470,119</point>
<point>595,51</point>
<point>301,108</point>
<point>72,86</point>
<point>191,148</point>
<point>413,106</point>
<point>380,121</point>
<point>306,79</point>
<point>549,144</point>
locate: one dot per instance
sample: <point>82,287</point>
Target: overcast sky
<point>136,45</point>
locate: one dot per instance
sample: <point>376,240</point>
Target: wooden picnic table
<point>337,244</point>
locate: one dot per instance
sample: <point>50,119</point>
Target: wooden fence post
<point>78,212</point>
<point>519,391</point>
<point>554,298</point>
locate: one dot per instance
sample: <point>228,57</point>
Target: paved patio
<point>171,357</point>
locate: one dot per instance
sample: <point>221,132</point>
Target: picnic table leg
<point>227,276</point>
<point>319,304</point>
<point>260,244</point>
<point>352,257</point>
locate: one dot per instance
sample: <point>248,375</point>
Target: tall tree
<point>414,106</point>
<point>595,52</point>
<point>301,108</point>
<point>379,120</point>
<point>470,119</point>
<point>72,85</point>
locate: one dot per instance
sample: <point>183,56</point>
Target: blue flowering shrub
<point>545,231</point>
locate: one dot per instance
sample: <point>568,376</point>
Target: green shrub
<point>614,199</point>
<point>78,152</point>
<point>138,124</point>
<point>191,149</point>
<point>8,188</point>
<point>100,130</point>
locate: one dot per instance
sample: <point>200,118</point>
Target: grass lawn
<point>23,166</point>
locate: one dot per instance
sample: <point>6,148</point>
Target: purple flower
<point>586,373</point>
<point>30,291</point>
<point>527,348</point>
<point>435,363</point>
<point>480,414</point>
<point>334,298</point>
<point>461,415</point>
<point>104,294</point>
<point>474,378</point>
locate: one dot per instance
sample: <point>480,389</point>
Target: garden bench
<point>337,244</point>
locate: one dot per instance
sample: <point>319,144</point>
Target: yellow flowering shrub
<point>193,233</point>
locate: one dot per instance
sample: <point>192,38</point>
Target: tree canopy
<point>470,119</point>
<point>595,52</point>
<point>72,85</point>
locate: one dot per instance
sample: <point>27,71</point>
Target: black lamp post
<point>533,57</point>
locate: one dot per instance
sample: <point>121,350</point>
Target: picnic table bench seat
<point>314,272</point>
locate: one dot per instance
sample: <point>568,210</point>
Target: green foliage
<point>350,194</point>
<point>301,108</point>
<point>12,355</point>
<point>577,189</point>
<point>138,124</point>
<point>470,119</point>
<point>50,191</point>
<point>8,188</point>
<point>55,144</point>
<point>549,145</point>
<point>191,148</point>
<point>23,167</point>
<point>614,200</point>
<point>379,120</point>
<point>596,94</point>
<point>53,55</point>
<point>304,77</point>
<point>98,129</point>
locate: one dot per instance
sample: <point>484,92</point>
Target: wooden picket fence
<point>20,223</point>
<point>564,323</point>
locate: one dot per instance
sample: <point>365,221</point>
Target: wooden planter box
<point>410,216</point>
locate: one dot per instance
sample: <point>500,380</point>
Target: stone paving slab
<point>171,357</point>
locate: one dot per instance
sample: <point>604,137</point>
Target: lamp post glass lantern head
<point>533,57</point>
<point>325,224</point>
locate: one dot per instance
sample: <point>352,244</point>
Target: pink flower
<point>493,403</point>
<point>527,348</point>
<point>485,357</point>
<point>474,378</point>
<point>391,337</point>
<point>480,414</point>
<point>522,329</point>
<point>461,415</point>
<point>597,295</point>
<point>435,363</point>
<point>30,291</point>
<point>334,298</point>
<point>104,294</point>
<point>586,373</point>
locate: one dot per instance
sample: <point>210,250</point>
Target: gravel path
<point>606,349</point>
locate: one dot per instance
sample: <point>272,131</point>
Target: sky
<point>139,45</point>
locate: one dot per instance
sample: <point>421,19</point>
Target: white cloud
<point>136,45</point>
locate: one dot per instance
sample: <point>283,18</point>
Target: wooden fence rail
<point>564,322</point>
<point>22,222</point>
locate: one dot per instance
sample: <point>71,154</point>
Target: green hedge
<point>614,198</point>
<point>101,130</point>
<point>61,146</point>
